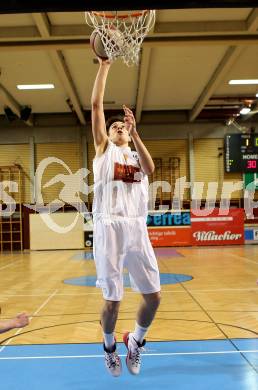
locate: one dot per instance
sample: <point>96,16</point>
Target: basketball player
<point>120,231</point>
<point>19,321</point>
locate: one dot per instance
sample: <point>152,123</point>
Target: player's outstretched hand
<point>20,320</point>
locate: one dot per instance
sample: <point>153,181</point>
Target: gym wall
<point>65,143</point>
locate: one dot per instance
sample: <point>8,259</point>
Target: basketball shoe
<point>112,361</point>
<point>133,358</point>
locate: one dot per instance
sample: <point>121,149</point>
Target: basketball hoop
<point>122,33</point>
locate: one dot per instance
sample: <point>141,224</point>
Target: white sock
<point>109,340</point>
<point>139,333</point>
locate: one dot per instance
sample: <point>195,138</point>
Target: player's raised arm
<point>97,109</point>
<point>145,158</point>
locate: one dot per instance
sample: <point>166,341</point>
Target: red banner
<point>215,229</point>
<point>170,236</point>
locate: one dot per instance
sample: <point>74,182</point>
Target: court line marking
<point>243,258</point>
<point>30,318</point>
<point>123,355</point>
<point>10,264</point>
<point>130,292</point>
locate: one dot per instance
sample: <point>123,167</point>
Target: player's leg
<point>146,313</point>
<point>108,322</point>
<point>135,341</point>
<point>109,316</point>
<point>109,266</point>
<point>144,274</point>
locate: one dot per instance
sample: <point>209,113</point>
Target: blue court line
<point>90,280</point>
<point>159,252</point>
<point>83,256</point>
<point>180,365</point>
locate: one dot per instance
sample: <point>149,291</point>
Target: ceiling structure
<point>185,66</point>
<point>16,6</point>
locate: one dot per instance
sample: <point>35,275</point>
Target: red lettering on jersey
<point>126,173</point>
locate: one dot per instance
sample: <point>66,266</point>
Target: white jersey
<point>120,185</point>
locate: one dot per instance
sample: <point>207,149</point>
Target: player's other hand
<point>129,119</point>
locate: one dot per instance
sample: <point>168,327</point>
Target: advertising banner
<point>170,236</point>
<point>251,234</point>
<point>169,228</point>
<point>215,229</point>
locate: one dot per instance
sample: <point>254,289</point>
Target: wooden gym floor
<point>219,302</point>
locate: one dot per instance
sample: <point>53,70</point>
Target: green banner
<point>252,179</point>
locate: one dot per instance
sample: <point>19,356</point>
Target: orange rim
<point>123,16</point>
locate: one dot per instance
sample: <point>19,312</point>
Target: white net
<point>122,34</point>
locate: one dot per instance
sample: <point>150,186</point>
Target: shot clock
<point>241,152</point>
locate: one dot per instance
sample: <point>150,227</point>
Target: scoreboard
<point>241,153</point>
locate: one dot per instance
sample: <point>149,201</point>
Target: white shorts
<point>120,244</point>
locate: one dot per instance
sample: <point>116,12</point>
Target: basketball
<point>116,37</point>
<point>97,45</point>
